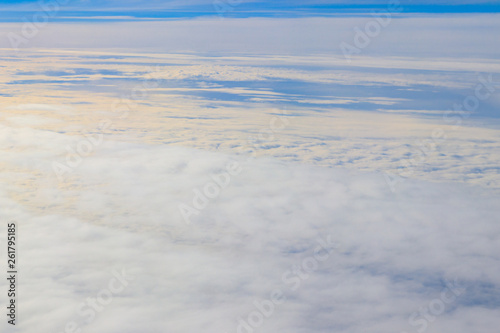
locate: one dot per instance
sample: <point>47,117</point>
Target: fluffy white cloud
<point>119,210</point>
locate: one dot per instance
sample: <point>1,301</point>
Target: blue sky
<point>16,10</point>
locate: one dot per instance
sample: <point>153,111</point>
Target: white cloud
<point>40,107</point>
<point>120,210</point>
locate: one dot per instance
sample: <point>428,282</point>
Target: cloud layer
<point>391,254</point>
<point>396,115</point>
<point>188,183</point>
